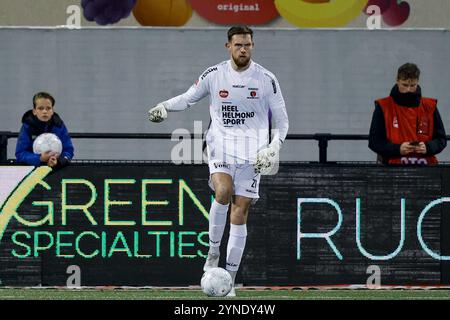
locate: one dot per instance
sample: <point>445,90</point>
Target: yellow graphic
<point>162,13</point>
<point>320,13</point>
<point>9,208</point>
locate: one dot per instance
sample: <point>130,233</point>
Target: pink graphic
<point>394,12</point>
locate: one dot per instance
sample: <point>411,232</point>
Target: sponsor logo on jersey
<point>238,86</point>
<point>253,95</point>
<point>223,93</point>
<point>208,72</point>
<point>230,264</point>
<point>221,165</point>
<point>232,116</point>
<point>395,122</point>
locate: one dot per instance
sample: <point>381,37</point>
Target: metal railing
<point>321,138</point>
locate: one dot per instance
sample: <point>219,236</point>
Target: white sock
<point>236,246</point>
<point>217,221</point>
<point>233,276</point>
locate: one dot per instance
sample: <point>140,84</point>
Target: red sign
<point>249,12</point>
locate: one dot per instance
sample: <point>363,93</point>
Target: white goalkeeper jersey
<point>239,106</point>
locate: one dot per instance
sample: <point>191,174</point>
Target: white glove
<point>267,158</point>
<point>158,113</point>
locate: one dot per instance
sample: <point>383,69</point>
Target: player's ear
<point>227,45</point>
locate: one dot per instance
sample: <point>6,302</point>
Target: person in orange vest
<point>407,128</point>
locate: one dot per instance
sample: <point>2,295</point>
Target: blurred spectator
<point>407,128</point>
<point>43,119</point>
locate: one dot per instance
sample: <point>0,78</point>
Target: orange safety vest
<point>409,124</point>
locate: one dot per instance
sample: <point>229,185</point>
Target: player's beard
<point>241,62</point>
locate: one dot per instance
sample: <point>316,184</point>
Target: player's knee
<point>240,212</point>
<point>238,216</point>
<point>223,195</point>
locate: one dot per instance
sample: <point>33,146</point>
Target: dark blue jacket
<point>32,127</point>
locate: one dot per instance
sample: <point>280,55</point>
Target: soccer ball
<point>47,142</point>
<point>216,282</point>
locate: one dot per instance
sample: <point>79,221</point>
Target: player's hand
<point>52,161</point>
<point>158,113</point>
<point>407,148</point>
<point>45,156</point>
<point>421,148</point>
<point>267,158</point>
<point>263,163</point>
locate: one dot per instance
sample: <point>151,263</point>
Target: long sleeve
<point>68,149</point>
<point>439,141</point>
<point>24,149</point>
<point>378,141</point>
<point>278,108</point>
<point>194,94</point>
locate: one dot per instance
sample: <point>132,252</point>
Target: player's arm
<point>280,120</point>
<point>279,114</point>
<point>194,94</point>
<point>439,141</point>
<point>58,161</point>
<point>266,157</point>
<point>24,149</point>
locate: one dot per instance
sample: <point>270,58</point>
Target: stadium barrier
<point>146,225</point>
<point>321,138</point>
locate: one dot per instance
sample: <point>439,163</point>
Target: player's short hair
<point>408,71</point>
<point>43,95</point>
<point>239,30</point>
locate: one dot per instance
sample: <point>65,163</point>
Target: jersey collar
<point>244,73</point>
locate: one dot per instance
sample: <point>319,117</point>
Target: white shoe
<point>232,293</point>
<point>212,261</point>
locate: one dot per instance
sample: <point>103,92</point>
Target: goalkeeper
<point>242,94</point>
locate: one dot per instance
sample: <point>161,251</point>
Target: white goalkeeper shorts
<point>245,180</point>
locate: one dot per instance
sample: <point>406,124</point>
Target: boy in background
<point>43,119</point>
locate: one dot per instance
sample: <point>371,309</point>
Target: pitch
<point>243,294</point>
